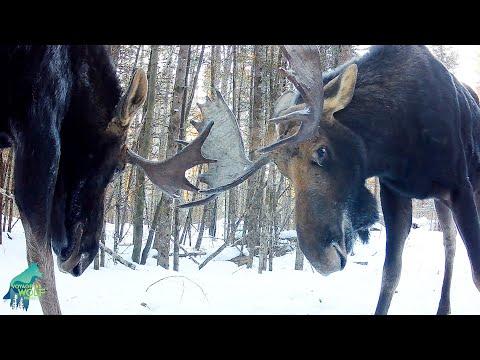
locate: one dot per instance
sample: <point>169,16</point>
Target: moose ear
<point>134,98</point>
<point>339,91</point>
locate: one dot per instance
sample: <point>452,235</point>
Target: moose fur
<point>58,106</point>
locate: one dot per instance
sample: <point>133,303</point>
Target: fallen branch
<point>190,256</point>
<point>212,255</point>
<point>117,257</point>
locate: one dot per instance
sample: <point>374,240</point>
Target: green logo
<point>24,287</point>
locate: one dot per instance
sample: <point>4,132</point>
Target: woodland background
<point>254,213</point>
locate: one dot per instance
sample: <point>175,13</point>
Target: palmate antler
<point>225,142</point>
<point>306,76</point>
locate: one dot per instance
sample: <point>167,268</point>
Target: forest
<point>256,219</point>
<point>179,78</point>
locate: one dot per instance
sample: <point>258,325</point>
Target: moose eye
<point>319,156</point>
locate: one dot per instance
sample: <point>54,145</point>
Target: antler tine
<point>264,160</point>
<point>169,175</point>
<point>299,115</point>
<point>306,76</point>
<point>198,202</point>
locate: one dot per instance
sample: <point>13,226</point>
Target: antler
<point>225,142</point>
<point>169,175</point>
<point>306,76</point>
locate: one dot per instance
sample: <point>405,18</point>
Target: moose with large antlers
<point>67,121</point>
<point>396,113</point>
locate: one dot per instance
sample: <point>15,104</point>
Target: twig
<point>190,255</point>
<point>118,257</point>
<point>177,276</point>
<point>12,227</point>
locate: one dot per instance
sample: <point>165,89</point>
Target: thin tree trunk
<point>176,247</point>
<point>233,193</point>
<point>6,187</point>
<point>11,186</point>
<point>2,185</point>
<point>298,257</point>
<point>255,137</point>
<point>151,233</point>
<point>144,147</point>
<point>194,83</point>
<point>214,80</point>
<point>117,235</point>
<point>102,252</point>
<point>200,230</point>
<point>163,240</point>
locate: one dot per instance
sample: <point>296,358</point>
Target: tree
<point>164,229</point>
<point>144,148</point>
<point>255,182</point>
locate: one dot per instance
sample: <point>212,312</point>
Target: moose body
<point>65,116</point>
<point>57,103</point>
<point>419,130</point>
<point>395,113</point>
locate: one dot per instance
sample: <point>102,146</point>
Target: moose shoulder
<point>67,120</point>
<point>396,113</point>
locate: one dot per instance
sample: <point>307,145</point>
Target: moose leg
<point>466,217</point>
<point>397,213</point>
<point>35,178</point>
<point>449,234</point>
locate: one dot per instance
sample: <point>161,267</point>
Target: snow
<point>223,288</point>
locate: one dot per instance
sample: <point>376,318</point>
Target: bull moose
<point>67,121</point>
<point>395,113</point>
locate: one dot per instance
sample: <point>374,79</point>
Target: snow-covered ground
<point>223,288</point>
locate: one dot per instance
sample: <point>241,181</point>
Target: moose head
<point>324,160</point>
<point>92,154</point>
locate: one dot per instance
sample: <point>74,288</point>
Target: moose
<point>395,113</point>
<point>67,121</point>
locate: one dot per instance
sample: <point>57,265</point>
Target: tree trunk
<point>151,233</point>
<point>11,185</point>
<point>201,228</point>
<point>144,148</point>
<point>6,187</point>
<point>162,242</point>
<point>253,215</point>
<point>233,193</point>
<point>2,186</point>
<point>214,81</point>
<point>298,257</point>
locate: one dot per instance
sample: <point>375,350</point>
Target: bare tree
<point>164,229</point>
<point>144,147</point>
<point>257,121</point>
